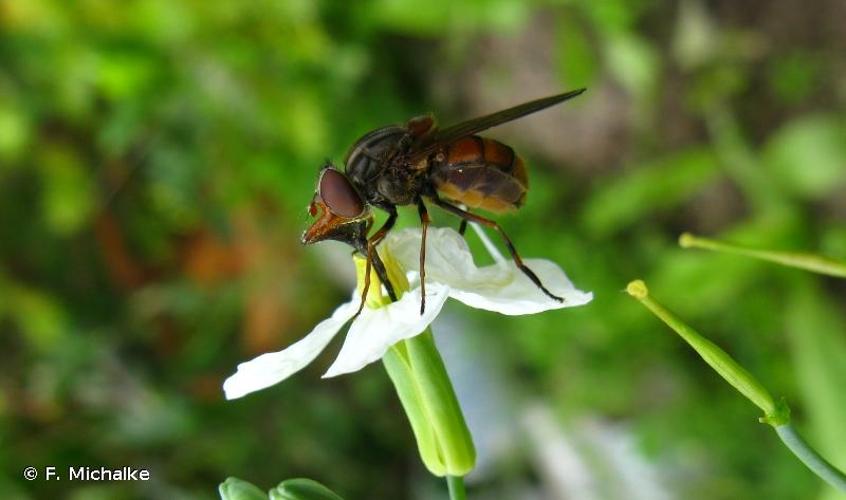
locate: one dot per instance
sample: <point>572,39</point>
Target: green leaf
<point>696,39</point>
<point>38,314</point>
<point>634,63</point>
<point>15,133</point>
<point>808,156</point>
<point>648,188</point>
<point>611,16</point>
<point>577,59</point>
<point>124,74</point>
<point>796,75</point>
<point>237,489</point>
<point>68,191</point>
<point>437,16</point>
<point>302,489</point>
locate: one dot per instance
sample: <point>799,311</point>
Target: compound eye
<point>339,195</point>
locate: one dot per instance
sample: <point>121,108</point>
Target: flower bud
<point>237,489</point>
<point>302,489</point>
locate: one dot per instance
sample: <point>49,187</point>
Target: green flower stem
<point>400,373</point>
<point>808,262</point>
<point>721,362</point>
<point>425,391</point>
<point>456,488</point>
<point>775,414</point>
<point>441,405</point>
<point>809,456</point>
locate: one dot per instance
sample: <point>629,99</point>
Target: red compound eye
<point>339,195</point>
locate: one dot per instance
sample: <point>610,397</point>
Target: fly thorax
<point>368,157</point>
<point>398,187</point>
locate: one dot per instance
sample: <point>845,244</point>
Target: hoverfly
<point>406,164</point>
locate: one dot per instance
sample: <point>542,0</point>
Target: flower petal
<point>520,295</point>
<point>376,330</point>
<point>274,367</point>
<point>500,287</point>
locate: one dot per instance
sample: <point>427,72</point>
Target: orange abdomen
<point>481,173</point>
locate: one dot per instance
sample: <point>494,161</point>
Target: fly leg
<point>467,216</point>
<point>462,227</point>
<point>382,273</point>
<point>425,220</point>
<point>373,255</point>
<point>379,235</point>
<point>374,262</point>
<point>366,288</point>
<point>374,240</point>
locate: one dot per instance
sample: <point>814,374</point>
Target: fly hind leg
<point>468,216</point>
<point>425,221</point>
<point>374,262</point>
<point>368,248</point>
<point>380,234</point>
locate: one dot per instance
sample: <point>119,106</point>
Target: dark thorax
<point>380,167</point>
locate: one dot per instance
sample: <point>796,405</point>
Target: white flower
<point>450,272</point>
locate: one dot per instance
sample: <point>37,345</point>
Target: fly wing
<point>430,142</point>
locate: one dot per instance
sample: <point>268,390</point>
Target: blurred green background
<point>157,156</point>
